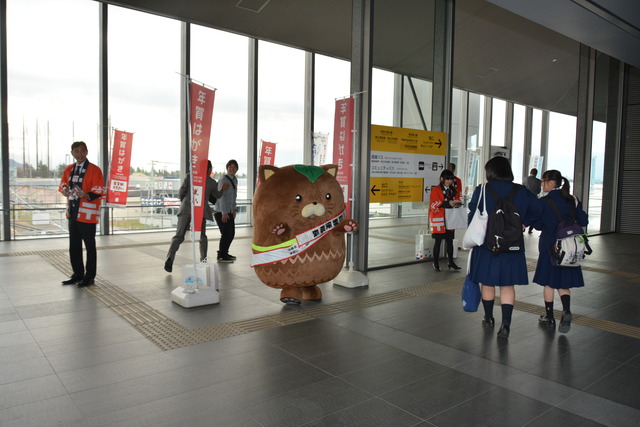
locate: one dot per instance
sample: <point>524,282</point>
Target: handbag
<point>471,293</point>
<point>477,230</point>
<point>455,218</point>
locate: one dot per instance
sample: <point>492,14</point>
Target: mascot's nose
<point>313,210</point>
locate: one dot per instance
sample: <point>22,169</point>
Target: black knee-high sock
<point>548,307</point>
<point>566,302</point>
<point>488,308</point>
<point>507,311</point>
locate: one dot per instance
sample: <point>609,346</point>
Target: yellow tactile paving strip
<point>169,334</point>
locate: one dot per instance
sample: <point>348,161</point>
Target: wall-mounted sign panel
<point>404,162</point>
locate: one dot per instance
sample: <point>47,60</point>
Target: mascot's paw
<point>311,293</point>
<point>279,229</point>
<point>291,296</point>
<point>350,226</point>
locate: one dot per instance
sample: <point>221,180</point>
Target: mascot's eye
<point>327,196</point>
<point>298,198</point>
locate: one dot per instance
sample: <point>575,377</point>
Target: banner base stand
<point>351,279</point>
<point>204,296</point>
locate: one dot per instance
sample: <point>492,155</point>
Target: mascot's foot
<point>311,293</point>
<point>291,296</point>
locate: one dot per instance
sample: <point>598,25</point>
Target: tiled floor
<point>398,353</point>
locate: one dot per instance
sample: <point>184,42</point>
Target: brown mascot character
<point>298,236</point>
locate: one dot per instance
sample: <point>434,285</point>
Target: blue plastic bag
<point>470,295</point>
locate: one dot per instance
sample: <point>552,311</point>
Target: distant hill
<point>14,165</point>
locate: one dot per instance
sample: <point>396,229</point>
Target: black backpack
<point>504,226</point>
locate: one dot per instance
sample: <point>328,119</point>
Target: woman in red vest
<point>443,196</point>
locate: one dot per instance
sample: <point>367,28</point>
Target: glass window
<point>498,122</point>
<point>220,60</point>
<point>517,142</point>
<point>332,82</point>
<point>52,52</point>
<point>561,148</point>
<point>536,132</point>
<point>281,101</point>
<point>412,116</point>
<point>144,98</point>
<point>382,97</point>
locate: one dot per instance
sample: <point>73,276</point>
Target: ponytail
<point>566,190</point>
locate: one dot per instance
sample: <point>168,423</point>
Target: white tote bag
<point>455,218</point>
<point>475,234</point>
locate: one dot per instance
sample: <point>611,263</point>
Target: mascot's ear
<point>330,169</point>
<point>267,171</point>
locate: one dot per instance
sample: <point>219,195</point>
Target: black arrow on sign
<point>439,143</point>
<point>374,189</point>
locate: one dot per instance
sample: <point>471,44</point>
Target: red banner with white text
<point>343,146</point>
<point>268,153</point>
<point>201,112</point>
<point>120,168</point>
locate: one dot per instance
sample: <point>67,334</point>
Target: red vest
<point>93,182</point>
<point>436,211</point>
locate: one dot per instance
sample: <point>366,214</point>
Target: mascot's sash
<point>303,241</point>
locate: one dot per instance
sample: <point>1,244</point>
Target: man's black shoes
<point>168,265</point>
<point>72,280</point>
<point>85,282</point>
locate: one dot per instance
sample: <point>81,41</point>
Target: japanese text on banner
<point>201,112</point>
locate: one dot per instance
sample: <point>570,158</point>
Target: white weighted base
<point>351,279</point>
<point>203,296</point>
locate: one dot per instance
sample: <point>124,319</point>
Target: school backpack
<point>504,226</point>
<point>571,244</point>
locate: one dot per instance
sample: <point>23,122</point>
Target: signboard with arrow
<point>404,162</point>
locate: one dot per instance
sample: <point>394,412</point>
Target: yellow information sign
<point>387,190</point>
<point>404,162</point>
<point>403,140</point>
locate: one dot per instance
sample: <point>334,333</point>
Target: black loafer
<point>72,280</point>
<point>565,322</point>
<point>168,265</point>
<point>504,332</point>
<point>488,322</point>
<point>83,283</point>
<point>547,322</point>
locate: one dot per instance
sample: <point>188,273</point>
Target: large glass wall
<point>144,98</point>
<point>52,60</point>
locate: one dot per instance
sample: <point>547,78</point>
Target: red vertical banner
<point>201,112</point>
<point>268,153</point>
<point>343,146</point>
<point>120,168</point>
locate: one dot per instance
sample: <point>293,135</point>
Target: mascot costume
<point>299,225</point>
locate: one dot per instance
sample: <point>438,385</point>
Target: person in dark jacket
<point>184,216</point>
<point>552,277</point>
<point>506,269</point>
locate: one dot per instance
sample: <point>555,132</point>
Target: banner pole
<point>350,278</point>
<point>192,207</point>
